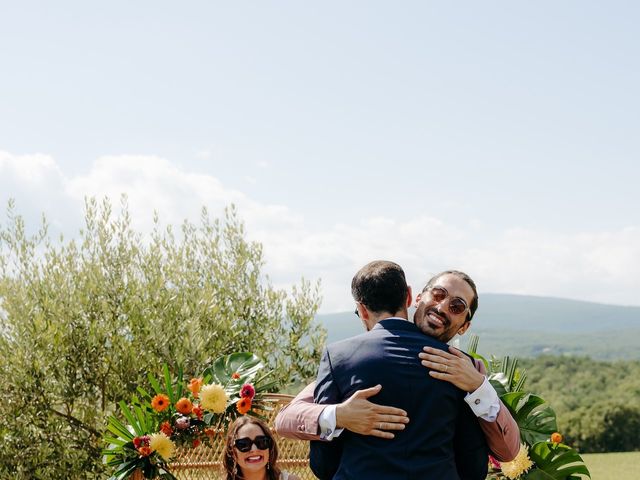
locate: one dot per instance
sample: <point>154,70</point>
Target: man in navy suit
<point>388,355</point>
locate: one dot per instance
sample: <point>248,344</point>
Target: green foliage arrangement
<point>84,320</point>
<point>542,455</point>
<point>155,423</point>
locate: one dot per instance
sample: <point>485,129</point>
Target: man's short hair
<point>381,287</point>
<point>463,276</point>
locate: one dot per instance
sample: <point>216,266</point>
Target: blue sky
<point>496,137</point>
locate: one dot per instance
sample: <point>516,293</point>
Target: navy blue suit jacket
<point>388,355</point>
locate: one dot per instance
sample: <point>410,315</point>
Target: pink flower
<point>182,423</point>
<point>493,462</point>
<point>247,391</point>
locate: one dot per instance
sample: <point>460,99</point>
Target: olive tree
<point>84,320</point>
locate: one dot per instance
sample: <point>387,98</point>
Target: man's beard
<point>430,327</point>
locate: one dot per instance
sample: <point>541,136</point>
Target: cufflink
<point>477,402</point>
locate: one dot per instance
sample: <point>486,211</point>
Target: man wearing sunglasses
<point>444,308</point>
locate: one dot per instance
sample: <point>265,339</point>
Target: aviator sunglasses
<point>261,441</point>
<point>457,305</point>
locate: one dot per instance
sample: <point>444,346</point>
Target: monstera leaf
<point>245,364</point>
<point>555,461</point>
<point>535,418</point>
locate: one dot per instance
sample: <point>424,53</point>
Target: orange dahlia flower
<point>184,406</point>
<point>243,405</point>
<point>556,437</point>
<point>160,402</point>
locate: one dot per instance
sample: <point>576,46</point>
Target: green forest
<point>597,403</point>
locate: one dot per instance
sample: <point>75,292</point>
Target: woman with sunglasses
<point>251,452</point>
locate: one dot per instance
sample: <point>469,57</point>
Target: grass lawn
<point>613,466</point>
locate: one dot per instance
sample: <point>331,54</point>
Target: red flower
<point>247,391</point>
<point>141,441</point>
<point>144,451</point>
<point>196,442</point>
<point>197,410</point>
<point>243,405</point>
<point>493,462</point>
<point>235,375</point>
<point>166,428</point>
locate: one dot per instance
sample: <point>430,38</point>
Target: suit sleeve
<point>299,419</point>
<point>503,435</point>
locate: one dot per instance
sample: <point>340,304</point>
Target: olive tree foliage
<point>84,320</point>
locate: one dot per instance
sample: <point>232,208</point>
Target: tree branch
<point>78,423</point>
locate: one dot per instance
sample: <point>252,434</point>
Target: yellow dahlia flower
<point>518,465</point>
<point>159,442</point>
<point>213,398</point>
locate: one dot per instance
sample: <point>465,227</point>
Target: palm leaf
<point>143,421</point>
<point>472,344</point>
<point>116,427</point>
<point>116,441</point>
<point>535,418</point>
<point>555,461</point>
<point>506,377</point>
<point>125,469</point>
<point>155,384</point>
<point>168,384</point>
<point>131,419</point>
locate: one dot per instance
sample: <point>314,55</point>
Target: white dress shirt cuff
<point>327,423</point>
<point>484,402</point>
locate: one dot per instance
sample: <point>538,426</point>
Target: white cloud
<point>203,154</point>
<point>597,266</point>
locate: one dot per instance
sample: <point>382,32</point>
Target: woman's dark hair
<point>230,460</point>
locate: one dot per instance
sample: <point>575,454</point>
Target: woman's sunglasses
<point>261,441</point>
<point>457,305</point>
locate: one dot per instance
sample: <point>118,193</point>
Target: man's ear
<point>409,296</point>
<point>465,326</point>
<point>363,313</point>
<point>418,298</point>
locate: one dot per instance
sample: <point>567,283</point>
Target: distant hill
<point>529,326</point>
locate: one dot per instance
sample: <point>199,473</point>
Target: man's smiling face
<point>434,318</point>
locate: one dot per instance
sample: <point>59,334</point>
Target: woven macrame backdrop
<point>205,463</point>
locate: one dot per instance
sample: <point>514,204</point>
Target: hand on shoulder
<point>454,367</point>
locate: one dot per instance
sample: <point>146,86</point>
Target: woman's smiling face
<point>254,459</point>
